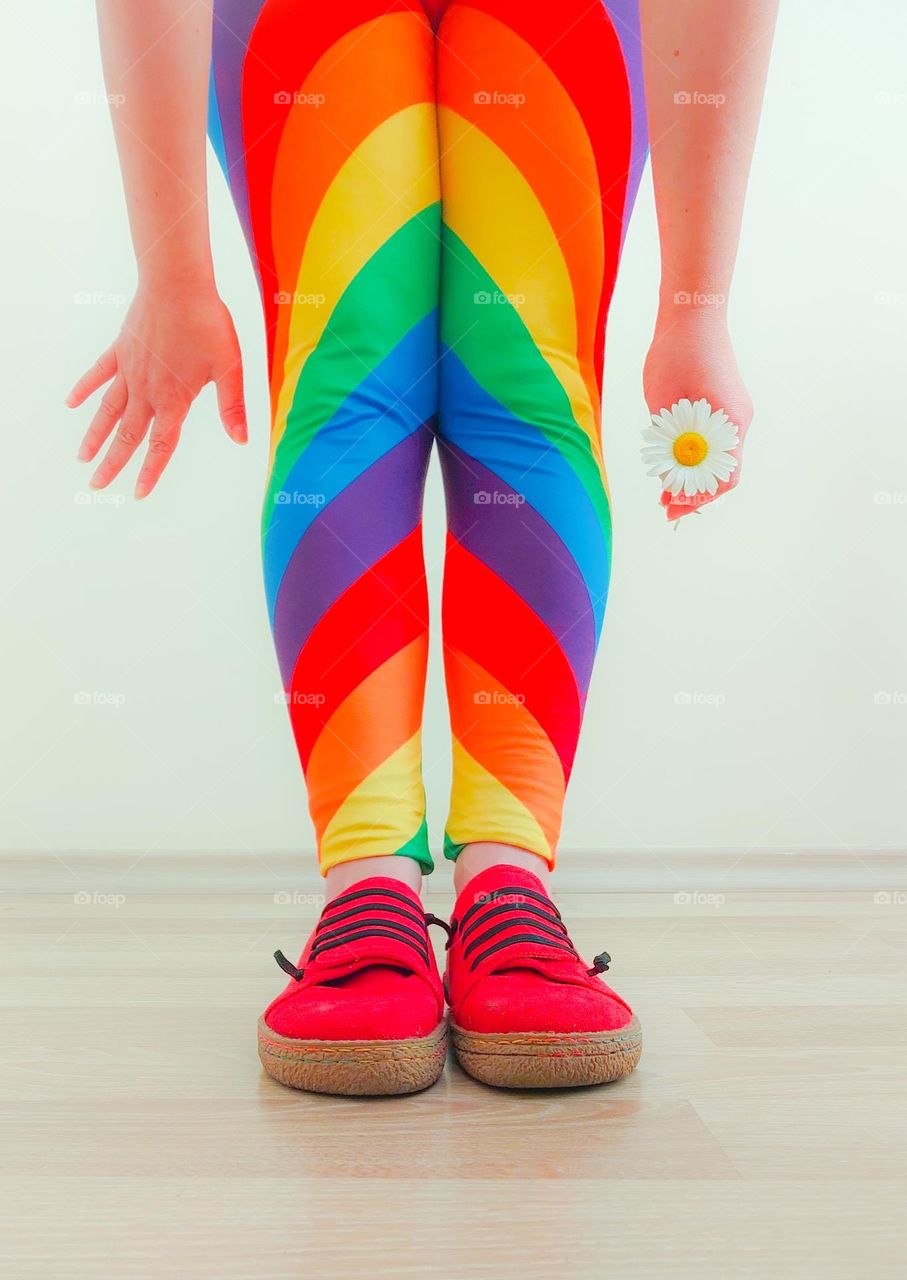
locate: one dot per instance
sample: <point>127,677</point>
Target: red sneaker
<point>526,1012</point>
<point>364,1010</point>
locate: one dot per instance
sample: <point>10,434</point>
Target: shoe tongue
<point>497,884</point>
<point>494,881</point>
<point>378,921</point>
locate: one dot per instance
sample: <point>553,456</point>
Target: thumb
<point>231,402</point>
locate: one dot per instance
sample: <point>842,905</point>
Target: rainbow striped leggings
<point>435,198</point>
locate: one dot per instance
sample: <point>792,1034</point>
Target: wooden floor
<point>764,1134</point>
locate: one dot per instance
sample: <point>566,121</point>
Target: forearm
<point>705,68</point>
<point>156,56</point>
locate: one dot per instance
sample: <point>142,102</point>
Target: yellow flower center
<point>690,448</point>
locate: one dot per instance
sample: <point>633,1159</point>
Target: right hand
<point>173,342</point>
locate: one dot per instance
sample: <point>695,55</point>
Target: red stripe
<point>377,616</point>
<point>485,619</point>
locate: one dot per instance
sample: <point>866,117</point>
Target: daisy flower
<point>689,448</point>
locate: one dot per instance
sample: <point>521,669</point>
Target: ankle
<point>347,874</point>
<point>486,853</point>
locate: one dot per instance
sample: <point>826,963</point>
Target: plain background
<point>751,692</point>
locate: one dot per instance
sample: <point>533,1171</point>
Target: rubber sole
<point>546,1060</point>
<point>353,1067</point>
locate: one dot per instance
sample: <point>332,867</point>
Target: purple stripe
<point>367,519</point>
<point>624,15</point>
<point>508,535</point>
<point>234,21</point>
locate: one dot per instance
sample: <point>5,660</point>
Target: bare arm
<point>705,66</point>
<point>178,335</point>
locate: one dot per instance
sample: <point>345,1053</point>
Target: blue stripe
<point>215,128</point>
<point>396,399</point>
<point>527,461</point>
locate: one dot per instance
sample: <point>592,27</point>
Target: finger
<point>130,434</point>
<point>110,410</point>
<point>165,435</point>
<point>231,402</point>
<point>103,369</point>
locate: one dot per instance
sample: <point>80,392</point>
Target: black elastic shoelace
<point>514,907</point>
<point>357,922</point>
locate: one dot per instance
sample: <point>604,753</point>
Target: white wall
<point>786,602</point>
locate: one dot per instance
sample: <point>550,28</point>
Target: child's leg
<point>325,121</point>
<point>542,142</point>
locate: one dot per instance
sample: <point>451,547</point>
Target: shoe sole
<point>548,1060</point>
<point>353,1067</point>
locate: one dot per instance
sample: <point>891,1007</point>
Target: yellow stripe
<point>382,813</point>
<point>377,190</point>
<point>520,252</point>
<point>501,816</point>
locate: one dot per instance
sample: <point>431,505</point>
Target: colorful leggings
<point>435,204</point>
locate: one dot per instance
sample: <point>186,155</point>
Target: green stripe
<point>393,291</point>
<point>451,850</point>
<point>417,847</point>
<point>494,344</point>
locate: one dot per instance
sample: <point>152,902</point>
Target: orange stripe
<point>506,740</point>
<point>377,718</point>
<point>486,57</point>
<point>318,140</point>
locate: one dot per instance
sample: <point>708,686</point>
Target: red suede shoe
<point>526,1012</point>
<point>364,1010</point>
